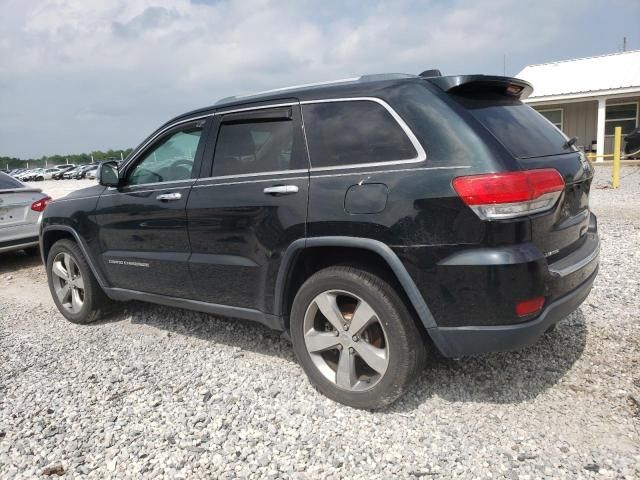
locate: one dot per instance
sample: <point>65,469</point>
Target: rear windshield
<point>7,181</point>
<point>522,130</point>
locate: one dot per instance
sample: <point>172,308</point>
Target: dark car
<point>632,144</point>
<point>81,172</point>
<point>370,219</point>
<point>63,169</point>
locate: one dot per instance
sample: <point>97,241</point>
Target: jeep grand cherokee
<point>371,219</point>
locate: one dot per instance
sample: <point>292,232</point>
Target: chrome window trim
<point>257,107</point>
<point>421,154</point>
<point>259,174</point>
<point>213,184</point>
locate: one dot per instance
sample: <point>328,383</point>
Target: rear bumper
<point>462,341</point>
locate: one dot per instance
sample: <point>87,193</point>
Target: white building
<point>588,97</point>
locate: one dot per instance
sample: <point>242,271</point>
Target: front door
<point>143,224</point>
<point>250,207</point>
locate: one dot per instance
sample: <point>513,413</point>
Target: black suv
<point>371,219</point>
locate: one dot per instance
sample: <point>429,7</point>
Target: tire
<point>392,334</point>
<point>94,303</point>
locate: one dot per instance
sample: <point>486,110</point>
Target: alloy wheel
<point>346,340</point>
<point>68,282</point>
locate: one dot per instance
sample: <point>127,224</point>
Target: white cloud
<point>79,74</point>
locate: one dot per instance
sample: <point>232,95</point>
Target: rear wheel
<point>355,338</point>
<point>73,286</point>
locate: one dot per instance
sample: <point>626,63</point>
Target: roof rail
<point>292,87</point>
<point>362,78</point>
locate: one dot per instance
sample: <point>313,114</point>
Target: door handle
<point>281,190</point>
<point>169,196</point>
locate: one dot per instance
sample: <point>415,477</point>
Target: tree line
<point>53,160</point>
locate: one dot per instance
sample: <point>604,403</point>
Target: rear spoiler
<point>471,85</point>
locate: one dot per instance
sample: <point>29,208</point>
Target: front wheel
<point>355,338</point>
<point>73,286</point>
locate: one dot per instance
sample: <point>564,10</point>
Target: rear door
<point>250,205</point>
<point>143,224</point>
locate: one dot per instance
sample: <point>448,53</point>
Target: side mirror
<point>108,174</point>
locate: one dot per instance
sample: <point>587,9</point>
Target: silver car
<point>20,212</point>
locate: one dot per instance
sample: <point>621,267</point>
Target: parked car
<point>82,172</point>
<point>411,213</point>
<point>71,173</point>
<point>92,173</point>
<point>632,144</point>
<point>27,175</point>
<point>20,210</point>
<point>62,171</point>
<point>45,174</point>
<point>16,171</point>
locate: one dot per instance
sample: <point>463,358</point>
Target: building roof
<point>611,74</point>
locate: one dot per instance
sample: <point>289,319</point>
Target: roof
<point>310,89</point>
<point>584,77</point>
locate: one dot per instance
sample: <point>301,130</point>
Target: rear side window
<point>7,181</point>
<point>522,130</point>
<point>354,132</point>
<point>254,147</point>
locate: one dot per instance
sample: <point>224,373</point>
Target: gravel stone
<point>156,392</point>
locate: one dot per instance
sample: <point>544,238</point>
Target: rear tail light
<point>529,307</point>
<point>497,196</point>
<point>40,205</point>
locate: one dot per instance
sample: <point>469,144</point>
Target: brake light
<point>496,196</point>
<point>40,205</point>
<point>528,307</point>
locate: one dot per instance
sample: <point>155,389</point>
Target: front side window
<point>354,132</point>
<point>623,115</point>
<point>169,161</point>
<point>253,147</point>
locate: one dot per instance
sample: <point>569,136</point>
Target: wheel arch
<point>287,278</point>
<point>51,234</point>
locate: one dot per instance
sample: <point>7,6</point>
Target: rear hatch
<point>534,143</point>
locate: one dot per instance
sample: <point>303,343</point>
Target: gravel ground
<point>156,392</point>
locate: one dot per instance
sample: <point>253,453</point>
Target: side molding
<point>83,247</point>
<point>409,286</point>
<point>271,321</point>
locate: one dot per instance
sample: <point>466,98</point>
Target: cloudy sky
<point>80,75</point>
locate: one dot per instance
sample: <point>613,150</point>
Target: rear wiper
<point>570,142</point>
